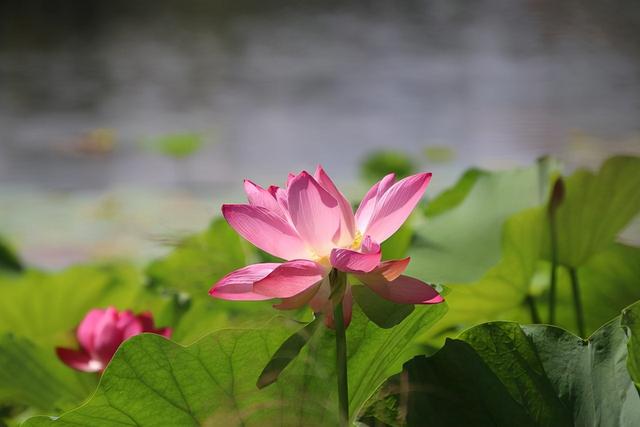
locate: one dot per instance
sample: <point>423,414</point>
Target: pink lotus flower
<point>311,225</point>
<point>100,334</point>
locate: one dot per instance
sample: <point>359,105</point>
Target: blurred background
<point>124,125</point>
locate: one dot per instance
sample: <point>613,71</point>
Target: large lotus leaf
<point>462,243</point>
<point>200,260</point>
<point>595,209</point>
<point>504,374</point>
<point>153,381</point>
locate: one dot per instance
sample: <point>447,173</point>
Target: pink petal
<point>129,324</point>
<point>314,213</point>
<point>301,299</point>
<point>86,329</point>
<point>258,196</point>
<point>79,360</point>
<point>107,336</point>
<point>238,285</point>
<point>165,332</point>
<point>320,302</point>
<point>357,262</point>
<point>273,189</point>
<point>146,320</point>
<point>290,278</point>
<point>266,230</point>
<point>395,205</point>
<point>283,203</point>
<point>347,310</point>
<point>368,203</point>
<point>290,178</point>
<point>389,270</point>
<point>403,290</point>
<point>347,229</point>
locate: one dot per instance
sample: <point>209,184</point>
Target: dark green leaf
<point>288,351</point>
<point>9,261</point>
<point>502,374</point>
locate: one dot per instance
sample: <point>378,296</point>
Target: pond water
<point>281,87</point>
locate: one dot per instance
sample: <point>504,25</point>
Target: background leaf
<point>463,244</point>
<point>9,261</point>
<point>596,207</point>
<point>200,260</point>
<point>452,197</point>
<point>39,311</point>
<point>32,375</point>
<point>382,162</point>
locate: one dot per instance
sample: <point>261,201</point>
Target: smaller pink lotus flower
<point>100,334</point>
<point>310,224</point>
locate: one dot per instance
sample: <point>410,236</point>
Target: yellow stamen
<point>357,241</point>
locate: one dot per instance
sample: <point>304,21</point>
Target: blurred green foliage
<point>9,261</point>
<point>176,145</point>
<point>439,153</point>
<point>200,260</point>
<point>383,162</point>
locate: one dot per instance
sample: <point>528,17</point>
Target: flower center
<point>357,241</point>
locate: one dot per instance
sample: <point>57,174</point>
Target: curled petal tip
<point>435,300</point>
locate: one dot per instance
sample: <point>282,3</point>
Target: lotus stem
<point>338,283</point>
<point>555,200</point>
<point>577,302</point>
<point>533,309</point>
<point>554,269</point>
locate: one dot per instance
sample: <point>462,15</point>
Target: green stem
<point>554,267</point>
<point>577,302</point>
<point>341,364</point>
<point>535,317</point>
